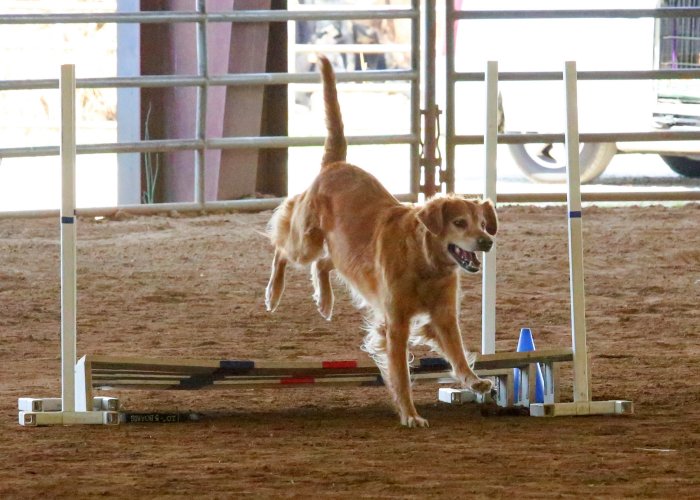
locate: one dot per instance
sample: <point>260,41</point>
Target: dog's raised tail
<point>336,146</point>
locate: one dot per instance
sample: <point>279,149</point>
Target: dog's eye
<point>460,223</point>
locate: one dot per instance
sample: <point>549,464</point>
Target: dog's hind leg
<point>323,292</point>
<point>275,287</point>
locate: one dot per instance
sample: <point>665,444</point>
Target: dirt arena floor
<point>193,287</point>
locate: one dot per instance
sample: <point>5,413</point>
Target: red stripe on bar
<point>329,365</point>
<point>298,380</point>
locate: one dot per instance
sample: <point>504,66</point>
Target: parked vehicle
<point>678,101</point>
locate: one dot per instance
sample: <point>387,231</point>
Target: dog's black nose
<point>484,244</point>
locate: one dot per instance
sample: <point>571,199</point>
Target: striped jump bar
<point>198,374</point>
<point>247,365</point>
<point>236,367</point>
<point>360,380</point>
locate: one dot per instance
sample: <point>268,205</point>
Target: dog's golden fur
<point>401,261</point>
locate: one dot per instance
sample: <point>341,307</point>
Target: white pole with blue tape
<point>68,254</point>
<point>69,408</point>
<point>578,305</point>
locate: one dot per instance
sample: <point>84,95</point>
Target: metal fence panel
<point>203,80</point>
<point>682,11</point>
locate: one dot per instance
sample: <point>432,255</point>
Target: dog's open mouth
<point>467,260</point>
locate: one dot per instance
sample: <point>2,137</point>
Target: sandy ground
<point>193,286</point>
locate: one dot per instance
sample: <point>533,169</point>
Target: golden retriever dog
<point>401,262</point>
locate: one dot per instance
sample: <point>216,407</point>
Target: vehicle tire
<point>683,165</point>
<point>548,168</point>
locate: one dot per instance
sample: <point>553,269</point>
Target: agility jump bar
<point>191,374</point>
<point>106,371</point>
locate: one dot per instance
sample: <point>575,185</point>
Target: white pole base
<point>33,419</point>
<point>37,405</point>
<point>47,411</point>
<point>453,396</point>
<point>614,407</point>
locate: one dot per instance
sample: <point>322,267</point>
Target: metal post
<point>578,305</point>
<point>201,104</point>
<point>430,110</point>
<point>450,96</point>
<point>488,308</point>
<point>415,100</point>
<point>68,257</point>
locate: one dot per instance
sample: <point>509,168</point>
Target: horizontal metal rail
<point>612,197</point>
<point>519,76</point>
<point>277,142</point>
<point>577,13</point>
<point>363,48</point>
<point>260,142</point>
<point>528,138</point>
<point>245,205</point>
<point>259,204</point>
<point>229,80</point>
<point>242,16</point>
<point>342,77</point>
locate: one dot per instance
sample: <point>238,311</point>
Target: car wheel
<point>547,162</point>
<point>683,165</point>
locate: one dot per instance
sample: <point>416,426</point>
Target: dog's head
<point>461,227</point>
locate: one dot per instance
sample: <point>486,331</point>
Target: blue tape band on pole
<point>575,215</point>
<point>67,220</point>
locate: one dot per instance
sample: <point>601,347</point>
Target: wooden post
<point>243,110</point>
<point>272,163</point>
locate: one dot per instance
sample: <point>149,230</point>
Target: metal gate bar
<point>662,12</point>
<point>242,16</point>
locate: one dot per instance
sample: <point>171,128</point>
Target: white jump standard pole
<point>582,392</point>
<point>68,244</point>
<point>51,411</point>
<point>488,306</point>
<point>582,404</point>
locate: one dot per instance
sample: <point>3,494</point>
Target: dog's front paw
<point>414,421</point>
<point>481,386</point>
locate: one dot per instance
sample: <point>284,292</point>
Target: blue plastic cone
<point>525,344</point>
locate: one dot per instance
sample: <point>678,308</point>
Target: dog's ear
<point>490,216</point>
<point>431,216</point>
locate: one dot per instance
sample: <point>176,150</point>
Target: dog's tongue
<point>474,258</point>
<point>466,255</point>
